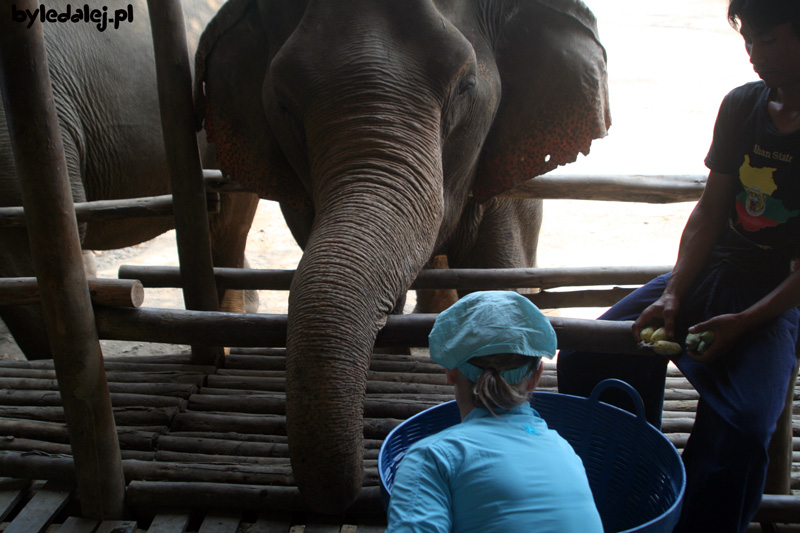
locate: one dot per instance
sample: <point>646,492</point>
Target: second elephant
<point>105,93</point>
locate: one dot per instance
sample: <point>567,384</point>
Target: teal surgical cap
<point>489,323</point>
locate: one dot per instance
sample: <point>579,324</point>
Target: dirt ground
<point>670,64</point>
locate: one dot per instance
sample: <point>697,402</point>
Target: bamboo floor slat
<point>205,448</point>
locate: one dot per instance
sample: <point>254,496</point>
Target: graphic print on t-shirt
<point>755,206</point>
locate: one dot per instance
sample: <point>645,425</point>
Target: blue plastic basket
<point>636,475</point>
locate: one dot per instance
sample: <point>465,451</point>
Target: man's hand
<point>661,311</point>
<point>727,330</point>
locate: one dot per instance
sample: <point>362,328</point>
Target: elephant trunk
<point>378,212</point>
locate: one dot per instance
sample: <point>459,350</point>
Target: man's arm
<point>701,232</point>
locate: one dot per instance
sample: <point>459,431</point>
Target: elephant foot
<point>251,301</point>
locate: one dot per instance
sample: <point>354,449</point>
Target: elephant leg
<point>435,300</point>
<point>26,323</point>
<point>502,233</point>
<point>229,229</point>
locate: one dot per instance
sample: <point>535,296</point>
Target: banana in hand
<point>664,347</point>
<point>656,339</point>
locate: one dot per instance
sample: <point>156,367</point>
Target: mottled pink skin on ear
<point>564,135</point>
<point>254,171</point>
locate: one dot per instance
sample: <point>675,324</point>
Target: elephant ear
<point>230,66</point>
<point>554,93</point>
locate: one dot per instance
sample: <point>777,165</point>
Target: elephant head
<point>375,123</point>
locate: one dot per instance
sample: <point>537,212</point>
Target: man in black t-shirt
<point>734,277</point>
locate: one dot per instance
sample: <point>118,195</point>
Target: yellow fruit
<point>663,347</point>
<point>658,335</point>
<point>646,333</point>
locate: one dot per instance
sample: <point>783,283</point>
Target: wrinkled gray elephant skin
<point>386,130</point>
<point>104,86</point>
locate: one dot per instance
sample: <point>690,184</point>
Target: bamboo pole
<point>374,428</point>
<point>649,189</point>
<point>132,438</point>
<point>99,210</point>
<point>660,189</point>
<point>56,251</point>
<point>240,329</point>
<point>177,359</point>
<point>113,292</point>
<point>475,279</point>
<point>222,446</point>
<point>130,416</point>
<point>37,398</point>
<point>167,384</point>
<point>177,121</point>
<point>140,363</point>
<point>241,471</point>
<point>158,494</point>
<point>241,437</point>
<point>259,404</point>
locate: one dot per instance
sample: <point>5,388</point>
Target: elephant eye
<point>467,85</point>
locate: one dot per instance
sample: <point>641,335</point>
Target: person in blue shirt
<point>501,468</point>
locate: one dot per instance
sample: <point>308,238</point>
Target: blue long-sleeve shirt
<point>504,473</point>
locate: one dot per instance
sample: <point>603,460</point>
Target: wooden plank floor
<point>204,449</point>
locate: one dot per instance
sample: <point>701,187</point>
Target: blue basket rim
<point>400,427</point>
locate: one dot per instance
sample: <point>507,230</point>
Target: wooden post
<point>55,246</point>
<point>177,122</point>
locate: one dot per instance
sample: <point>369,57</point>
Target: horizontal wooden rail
<point>648,189</point>
<point>778,509</point>
<point>656,189</point>
<point>500,278</point>
<point>541,278</point>
<point>112,292</point>
<point>148,206</point>
<point>247,330</point>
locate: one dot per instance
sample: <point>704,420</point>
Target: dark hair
<point>764,15</point>
<point>492,391</point>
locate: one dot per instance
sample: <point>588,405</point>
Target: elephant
<point>105,93</point>
<point>387,131</point>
